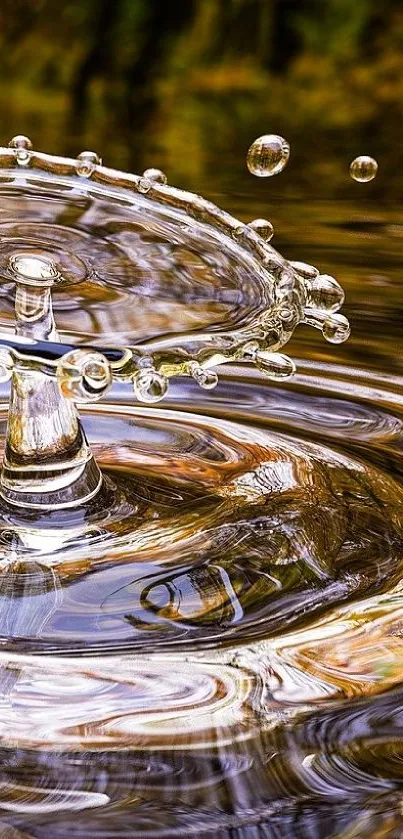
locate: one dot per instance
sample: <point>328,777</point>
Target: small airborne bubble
<point>363,169</point>
<point>268,155</point>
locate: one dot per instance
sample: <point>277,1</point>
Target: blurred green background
<point>188,84</point>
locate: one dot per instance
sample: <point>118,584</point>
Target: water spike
<point>47,461</point>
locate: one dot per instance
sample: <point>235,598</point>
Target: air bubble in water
<point>268,155</point>
<point>363,169</point>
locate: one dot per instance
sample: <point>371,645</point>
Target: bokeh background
<point>190,83</point>
<point>187,85</point>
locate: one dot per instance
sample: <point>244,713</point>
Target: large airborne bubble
<point>268,155</point>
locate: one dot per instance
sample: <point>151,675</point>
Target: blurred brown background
<point>188,84</point>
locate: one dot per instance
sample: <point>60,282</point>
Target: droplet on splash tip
<point>149,385</point>
<point>207,379</point>
<point>264,228</point>
<point>156,176</point>
<point>363,169</point>
<point>84,375</point>
<point>275,365</point>
<point>326,293</point>
<point>268,155</point>
<point>144,185</point>
<point>308,272</point>
<point>22,149</point>
<point>336,329</point>
<point>86,163</point>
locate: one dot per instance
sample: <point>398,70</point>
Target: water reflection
<point>226,658</point>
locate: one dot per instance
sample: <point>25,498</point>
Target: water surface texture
<point>229,662</point>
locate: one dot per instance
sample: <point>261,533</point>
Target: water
<point>227,663</point>
<point>268,155</point>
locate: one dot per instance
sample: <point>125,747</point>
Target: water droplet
<point>326,293</point>
<point>156,176</point>
<point>363,169</point>
<point>275,365</point>
<point>84,375</point>
<point>144,185</point>
<point>264,228</point>
<point>149,385</point>
<point>86,163</point>
<point>336,329</point>
<point>22,148</point>
<point>207,379</point>
<point>268,155</point>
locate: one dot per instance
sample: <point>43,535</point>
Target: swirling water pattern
<point>228,663</point>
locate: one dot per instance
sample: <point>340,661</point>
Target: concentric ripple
<point>253,585</point>
<point>224,658</point>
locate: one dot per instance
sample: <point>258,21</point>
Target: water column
<point>47,463</point>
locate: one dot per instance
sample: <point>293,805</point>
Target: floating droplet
<point>264,228</point>
<point>207,379</point>
<point>363,169</point>
<point>86,163</point>
<point>336,329</point>
<point>156,176</point>
<point>268,155</point>
<point>22,148</point>
<point>326,293</point>
<point>84,375</point>
<point>275,365</point>
<point>149,385</point>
